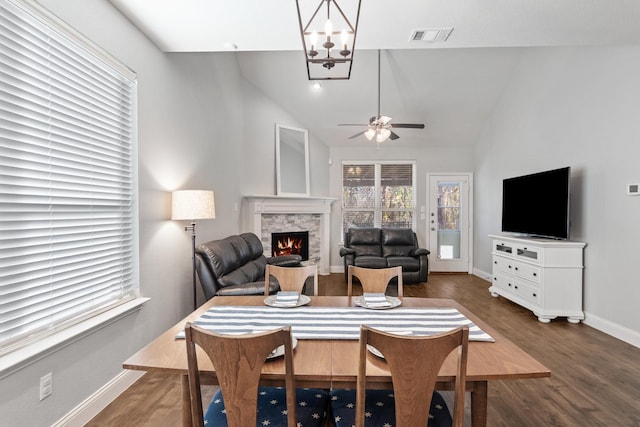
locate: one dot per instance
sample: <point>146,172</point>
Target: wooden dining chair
<point>240,402</point>
<point>291,278</point>
<point>374,280</point>
<point>414,363</point>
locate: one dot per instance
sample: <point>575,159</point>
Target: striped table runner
<point>336,323</point>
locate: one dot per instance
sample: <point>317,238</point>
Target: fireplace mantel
<point>255,207</point>
<point>290,204</point>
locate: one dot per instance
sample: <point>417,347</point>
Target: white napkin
<point>375,299</point>
<point>286,299</point>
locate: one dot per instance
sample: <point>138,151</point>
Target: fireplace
<point>263,215</point>
<point>290,243</point>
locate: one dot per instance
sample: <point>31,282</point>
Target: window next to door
<point>378,194</point>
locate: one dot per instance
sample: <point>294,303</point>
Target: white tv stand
<point>542,275</point>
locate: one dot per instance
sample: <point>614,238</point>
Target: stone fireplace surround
<point>263,215</point>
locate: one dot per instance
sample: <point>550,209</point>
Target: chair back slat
<point>291,278</point>
<point>374,280</point>
<point>414,363</point>
<point>238,362</point>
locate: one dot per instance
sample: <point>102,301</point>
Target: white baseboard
<point>482,274</point>
<point>617,331</point>
<point>87,410</point>
<point>621,332</point>
<point>336,269</point>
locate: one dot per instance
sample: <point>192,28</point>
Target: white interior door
<point>450,222</point>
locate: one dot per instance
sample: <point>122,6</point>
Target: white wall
<point>259,164</point>
<point>575,107</point>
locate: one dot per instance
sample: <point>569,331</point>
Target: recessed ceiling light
<point>316,86</point>
<point>430,35</point>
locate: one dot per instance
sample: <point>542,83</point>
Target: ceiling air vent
<point>430,35</point>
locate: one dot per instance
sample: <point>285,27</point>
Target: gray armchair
<point>386,247</point>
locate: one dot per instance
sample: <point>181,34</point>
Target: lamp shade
<point>192,204</point>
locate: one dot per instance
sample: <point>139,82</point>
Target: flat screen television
<point>537,205</point>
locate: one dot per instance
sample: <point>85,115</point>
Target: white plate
<point>271,301</point>
<point>359,301</point>
<point>374,351</point>
<point>279,351</point>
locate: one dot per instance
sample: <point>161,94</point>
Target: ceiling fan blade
<point>408,125</point>
<point>393,136</point>
<point>351,124</point>
<point>384,119</point>
<point>357,134</point>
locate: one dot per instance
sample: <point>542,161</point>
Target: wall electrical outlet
<point>46,385</point>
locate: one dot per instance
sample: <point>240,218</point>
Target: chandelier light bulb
<point>313,38</point>
<point>345,40</point>
<point>328,28</point>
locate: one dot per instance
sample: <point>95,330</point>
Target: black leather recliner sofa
<point>386,247</point>
<point>235,266</point>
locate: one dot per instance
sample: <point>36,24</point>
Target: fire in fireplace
<point>290,243</point>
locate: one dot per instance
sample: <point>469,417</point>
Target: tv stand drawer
<point>515,289</point>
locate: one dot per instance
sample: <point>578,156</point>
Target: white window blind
<point>378,194</point>
<point>67,179</point>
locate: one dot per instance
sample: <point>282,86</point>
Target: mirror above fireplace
<point>292,161</point>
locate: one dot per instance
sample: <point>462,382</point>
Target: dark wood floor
<point>595,379</point>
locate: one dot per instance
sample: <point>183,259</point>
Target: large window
<point>378,194</point>
<point>68,239</point>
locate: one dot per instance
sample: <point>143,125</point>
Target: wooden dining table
<point>333,363</point>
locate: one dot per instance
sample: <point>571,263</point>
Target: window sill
<point>22,357</point>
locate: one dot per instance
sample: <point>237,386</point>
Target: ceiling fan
<point>380,127</point>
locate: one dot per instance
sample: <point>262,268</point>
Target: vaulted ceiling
<point>450,86</point>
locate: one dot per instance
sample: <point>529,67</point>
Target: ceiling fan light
<point>369,134</point>
<point>383,135</point>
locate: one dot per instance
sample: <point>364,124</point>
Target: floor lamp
<point>191,205</point>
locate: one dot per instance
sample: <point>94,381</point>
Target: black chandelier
<point>328,39</point>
